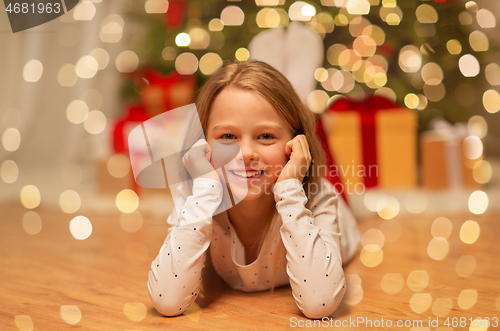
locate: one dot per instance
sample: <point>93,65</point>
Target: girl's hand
<point>198,161</point>
<point>299,161</point>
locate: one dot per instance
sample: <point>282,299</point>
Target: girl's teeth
<point>246,174</point>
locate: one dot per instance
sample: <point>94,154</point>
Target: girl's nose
<point>248,152</point>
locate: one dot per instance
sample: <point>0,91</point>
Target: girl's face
<point>247,119</point>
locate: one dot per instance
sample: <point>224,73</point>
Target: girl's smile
<point>246,118</point>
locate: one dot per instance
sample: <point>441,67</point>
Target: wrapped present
<point>163,93</point>
<point>445,163</point>
<point>373,142</point>
<point>134,114</point>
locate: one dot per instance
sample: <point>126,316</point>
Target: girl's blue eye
<point>267,136</point>
<point>227,136</point>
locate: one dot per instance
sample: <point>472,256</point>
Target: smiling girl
<point>288,226</point>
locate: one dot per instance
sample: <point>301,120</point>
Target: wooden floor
<point>51,277</point>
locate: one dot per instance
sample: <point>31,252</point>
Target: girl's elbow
<point>167,308</point>
<point>325,306</point>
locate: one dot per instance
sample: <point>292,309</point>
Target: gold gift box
<point>395,147</point>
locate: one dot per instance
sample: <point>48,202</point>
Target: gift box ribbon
<point>367,110</point>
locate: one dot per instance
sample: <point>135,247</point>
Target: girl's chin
<point>248,193</point>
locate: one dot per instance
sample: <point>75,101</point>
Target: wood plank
<point>105,277</point>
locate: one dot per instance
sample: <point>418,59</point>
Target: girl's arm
<point>175,275</point>
<point>312,241</point>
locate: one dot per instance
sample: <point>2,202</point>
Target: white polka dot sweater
<point>303,248</point>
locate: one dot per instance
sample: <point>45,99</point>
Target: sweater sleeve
<point>175,275</point>
<point>313,251</point>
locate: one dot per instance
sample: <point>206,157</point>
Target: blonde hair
<point>269,83</point>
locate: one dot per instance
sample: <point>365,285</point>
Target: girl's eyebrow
<point>259,126</point>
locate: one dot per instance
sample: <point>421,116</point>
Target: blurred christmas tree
<point>424,54</point>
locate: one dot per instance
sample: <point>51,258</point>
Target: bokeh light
<point>77,111</point>
<point>71,314</point>
<point>111,29</point>
<point>469,65</point>
<point>420,302</point>
<point>30,196</point>
<point>441,228</point>
<point>156,6</point>
<point>101,56</point>
<point>392,283</point>
<point>95,122</point>
<point>32,71</point>
<point>69,201</point>
<point>354,291</point>
<point>432,74</point>
<point>467,299</point>
<point>182,39</point>
<point>469,232</point>
<point>479,41</point>
<point>127,61</point>
<point>410,59</point>
<point>86,67</point>
<point>434,93</point>
<point>465,18</point>
<point>135,311</point>
<point>416,202</point>
<point>215,25</point>
<point>118,165</point>
<point>486,19</point>
<point>438,248</point>
<point>232,15</point>
<point>11,139</point>
<point>23,322</point>
<point>127,201</point>
<point>454,46</point>
<point>333,53</point>
<point>371,255</point>
<point>482,172</point>
<point>388,208</point>
<point>426,14</point>
<point>358,7</point>
<point>491,101</point>
<point>442,307</point>
<point>186,63</point>
<point>466,265</point>
<point>477,126</point>
<point>210,63</point>
<point>80,227</point>
<point>32,223</point>
<point>199,38</point>
<point>66,76</point>
<point>411,100</point>
<point>84,11</point>
<point>373,237</point>
<point>317,101</point>
<point>169,53</point>
<point>418,280</point>
<point>471,6</point>
<point>492,72</point>
<point>478,202</point>
<point>9,171</point>
<point>472,147</point>
<point>242,54</point>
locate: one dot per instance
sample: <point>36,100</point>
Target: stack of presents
<point>370,143</point>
